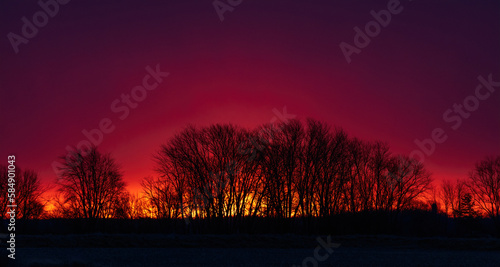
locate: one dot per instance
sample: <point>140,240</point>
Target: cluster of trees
<point>479,194</point>
<point>285,170</point>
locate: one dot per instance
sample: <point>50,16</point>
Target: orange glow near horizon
<point>426,199</point>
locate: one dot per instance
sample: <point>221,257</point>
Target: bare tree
<point>28,194</point>
<point>379,164</point>
<point>484,185</point>
<point>313,169</point>
<point>120,207</point>
<point>447,195</point>
<point>30,190</point>
<point>138,207</point>
<point>409,180</point>
<point>183,163</point>
<point>161,197</point>
<point>452,195</point>
<point>334,179</point>
<point>90,184</point>
<point>357,195</point>
<point>282,166</point>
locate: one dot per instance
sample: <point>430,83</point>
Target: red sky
<point>262,56</point>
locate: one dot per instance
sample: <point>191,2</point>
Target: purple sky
<point>263,55</point>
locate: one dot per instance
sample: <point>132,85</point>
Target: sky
<point>398,82</point>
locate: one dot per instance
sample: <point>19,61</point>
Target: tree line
<point>285,170</point>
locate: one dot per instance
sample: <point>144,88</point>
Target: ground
<point>247,250</point>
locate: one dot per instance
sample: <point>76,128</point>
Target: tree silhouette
<point>28,194</point>
<point>282,165</point>
<point>138,206</point>
<point>90,185</point>
<point>161,197</point>
<point>410,180</point>
<point>452,196</point>
<point>465,207</point>
<point>484,185</point>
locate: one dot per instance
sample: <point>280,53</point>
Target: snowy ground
<point>249,257</point>
<point>246,250</point>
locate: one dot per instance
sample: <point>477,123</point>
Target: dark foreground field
<point>252,250</point>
